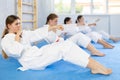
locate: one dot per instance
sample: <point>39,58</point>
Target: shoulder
<point>9,36</point>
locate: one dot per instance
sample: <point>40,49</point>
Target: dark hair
<point>67,19</point>
<point>79,17</point>
<point>9,20</point>
<point>51,17</point>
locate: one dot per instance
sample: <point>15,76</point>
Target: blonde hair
<point>9,20</point>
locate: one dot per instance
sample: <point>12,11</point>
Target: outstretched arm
<point>92,24</point>
<point>36,35</point>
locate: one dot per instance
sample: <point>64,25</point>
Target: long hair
<point>9,20</point>
<point>51,17</point>
<point>67,19</point>
<point>79,17</point>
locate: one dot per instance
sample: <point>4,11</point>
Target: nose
<point>18,25</point>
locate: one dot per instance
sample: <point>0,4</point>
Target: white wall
<point>115,25</point>
<point>44,9</point>
<point>7,7</point>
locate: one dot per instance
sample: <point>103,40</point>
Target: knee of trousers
<point>80,39</point>
<point>83,41</point>
<point>95,36</point>
<point>77,56</point>
<point>104,34</point>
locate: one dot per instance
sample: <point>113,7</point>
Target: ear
<point>50,20</point>
<point>8,26</point>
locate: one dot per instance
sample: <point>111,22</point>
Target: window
<point>82,6</point>
<point>99,7</point>
<point>62,6</point>
<point>114,6</point>
<point>87,6</point>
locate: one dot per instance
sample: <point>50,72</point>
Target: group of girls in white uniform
<point>17,43</point>
<point>76,37</point>
<point>87,29</point>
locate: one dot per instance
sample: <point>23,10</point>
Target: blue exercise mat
<point>62,70</point>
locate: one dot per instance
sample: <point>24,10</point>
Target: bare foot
<point>98,53</point>
<point>102,71</point>
<point>109,47</point>
<point>116,40</point>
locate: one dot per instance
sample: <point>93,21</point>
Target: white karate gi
<point>53,37</point>
<point>31,57</point>
<point>76,36</point>
<point>104,35</point>
<point>70,29</point>
<point>95,36</point>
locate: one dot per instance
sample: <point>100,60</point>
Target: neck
<point>50,24</point>
<point>80,23</point>
<point>52,28</point>
<point>11,32</point>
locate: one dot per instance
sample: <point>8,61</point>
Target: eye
<point>17,24</point>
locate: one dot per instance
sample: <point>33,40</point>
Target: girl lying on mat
<point>17,43</point>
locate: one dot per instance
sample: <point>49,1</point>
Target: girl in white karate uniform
<point>95,36</point>
<point>78,38</point>
<point>17,43</point>
<point>104,34</point>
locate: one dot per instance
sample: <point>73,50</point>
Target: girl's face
<point>69,22</point>
<point>53,22</point>
<point>15,26</point>
<point>81,19</point>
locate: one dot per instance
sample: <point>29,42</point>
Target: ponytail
<point>3,53</point>
<point>5,32</point>
<point>76,21</point>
